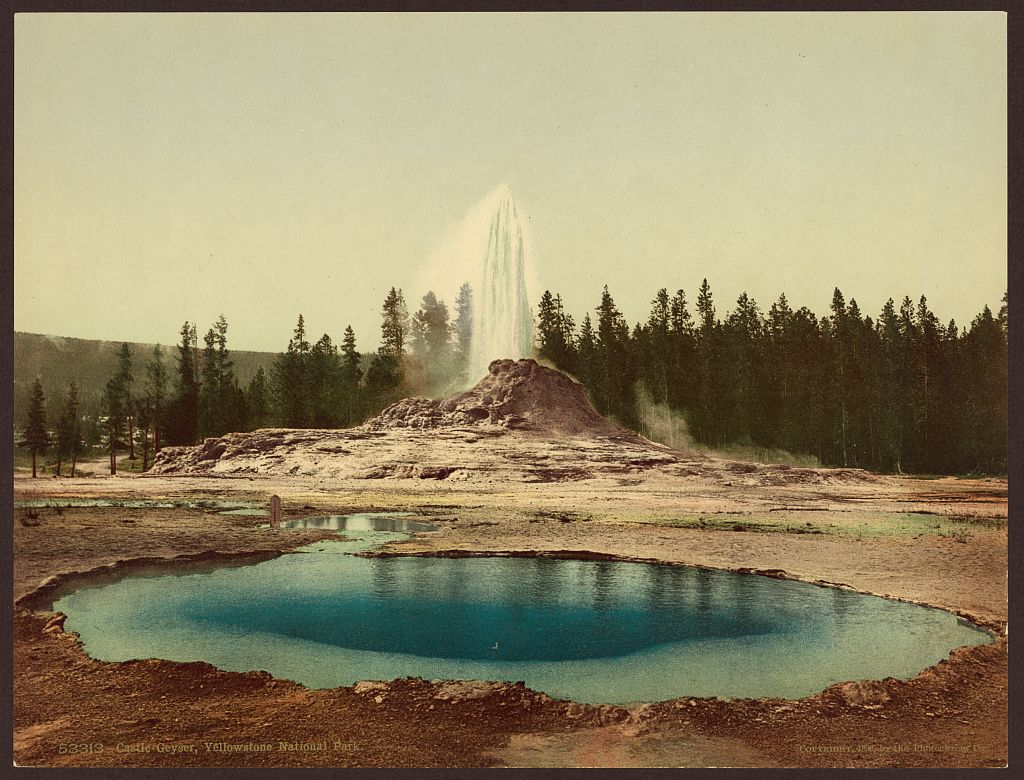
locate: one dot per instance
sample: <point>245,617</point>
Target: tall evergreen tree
<point>463,327</point>
<point>69,430</point>
<point>289,374</point>
<point>394,329</point>
<point>386,374</point>
<point>156,390</point>
<point>586,351</point>
<point>143,406</point>
<point>126,383</point>
<point>351,374</point>
<point>839,369</point>
<point>257,401</point>
<point>114,425</point>
<point>614,380</point>
<point>656,351</point>
<point>35,436</point>
<point>209,389</point>
<point>987,413</point>
<point>742,338</point>
<point>681,389</point>
<point>431,342</point>
<point>183,422</point>
<point>706,417</point>
<point>325,384</point>
<point>554,332</point>
<point>218,392</point>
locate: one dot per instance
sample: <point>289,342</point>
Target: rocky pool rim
<point>40,600</point>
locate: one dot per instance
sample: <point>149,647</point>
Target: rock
<point>576,711</point>
<point>369,686</point>
<point>466,690</point>
<point>522,422</point>
<point>864,693</point>
<point>516,395</point>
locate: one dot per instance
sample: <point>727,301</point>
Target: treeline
<point>311,384</point>
<point>196,394</point>
<point>90,363</point>
<point>902,393</point>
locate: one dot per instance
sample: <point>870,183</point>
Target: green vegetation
<point>35,437</point>
<point>69,432</point>
<point>902,393</point>
<point>862,525</point>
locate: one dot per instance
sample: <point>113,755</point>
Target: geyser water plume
<point>502,325</point>
<point>490,249</point>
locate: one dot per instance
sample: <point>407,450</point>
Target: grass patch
<point>859,525</point>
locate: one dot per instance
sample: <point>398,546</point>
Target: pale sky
<point>179,166</point>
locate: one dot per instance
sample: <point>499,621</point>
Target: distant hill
<point>90,363</point>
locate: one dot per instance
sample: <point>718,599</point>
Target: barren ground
<point>940,542</point>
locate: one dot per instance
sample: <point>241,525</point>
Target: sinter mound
<point>516,394</point>
<point>521,423</point>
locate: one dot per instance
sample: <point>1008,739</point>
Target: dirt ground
<point>940,542</point>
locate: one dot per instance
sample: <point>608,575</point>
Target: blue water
<point>589,631</point>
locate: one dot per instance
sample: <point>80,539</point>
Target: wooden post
<point>275,511</point>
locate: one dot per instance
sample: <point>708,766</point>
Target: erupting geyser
<point>502,325</point>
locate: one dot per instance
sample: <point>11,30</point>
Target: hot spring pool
<point>597,632</point>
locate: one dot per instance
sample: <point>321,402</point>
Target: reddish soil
<point>954,714</point>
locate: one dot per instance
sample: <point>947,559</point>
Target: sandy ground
<point>939,542</point>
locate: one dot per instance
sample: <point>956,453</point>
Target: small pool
<point>598,632</point>
<point>228,507</point>
<point>395,522</point>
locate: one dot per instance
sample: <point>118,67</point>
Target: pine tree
<point>431,342</point>
<point>681,359</point>
<point>987,371</point>
<point>143,407</point>
<point>218,407</point>
<point>777,392</point>
<point>257,403</point>
<point>289,374</point>
<point>69,430</point>
<point>706,417</point>
<point>394,329</point>
<point>656,347</point>
<point>613,382</point>
<point>227,385</point>
<point>386,374</point>
<point>126,382</point>
<point>113,407</point>
<point>742,336</point>
<point>325,385</point>
<point>463,327</point>
<point>891,377</point>
<point>351,374</point>
<point>183,422</point>
<point>209,388</point>
<point>156,390</point>
<point>35,435</point>
<point>839,342</point>
<point>550,337</point>
<point>586,350</point>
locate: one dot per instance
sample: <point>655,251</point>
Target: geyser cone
<point>502,327</point>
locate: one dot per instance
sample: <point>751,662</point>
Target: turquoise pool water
<point>599,632</point>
